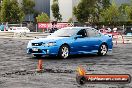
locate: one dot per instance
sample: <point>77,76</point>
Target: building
<point>45,6</point>
<point>66,8</point>
<point>40,6</point>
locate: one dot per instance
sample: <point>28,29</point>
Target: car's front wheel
<point>103,50</point>
<point>64,51</point>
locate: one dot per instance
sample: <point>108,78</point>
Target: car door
<point>80,44</point>
<point>93,39</point>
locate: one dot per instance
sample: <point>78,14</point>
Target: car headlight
<point>49,44</point>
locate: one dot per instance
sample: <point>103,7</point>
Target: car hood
<point>48,39</point>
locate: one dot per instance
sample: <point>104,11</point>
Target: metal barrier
<point>124,39</point>
<point>127,39</point>
<point>22,34</point>
<point>37,34</point>
<point>6,34</point>
<point>117,37</point>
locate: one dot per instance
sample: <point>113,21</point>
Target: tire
<point>37,55</point>
<point>81,80</point>
<point>64,52</point>
<point>103,49</point>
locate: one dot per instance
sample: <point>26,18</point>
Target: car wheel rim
<point>65,52</point>
<point>103,49</point>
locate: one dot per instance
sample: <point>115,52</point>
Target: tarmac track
<point>18,70</point>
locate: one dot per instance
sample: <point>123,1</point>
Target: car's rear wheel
<point>64,51</point>
<point>103,49</point>
<point>37,55</point>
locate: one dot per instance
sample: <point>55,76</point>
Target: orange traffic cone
<point>40,65</point>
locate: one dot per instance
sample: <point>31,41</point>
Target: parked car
<point>71,40</point>
<point>18,29</point>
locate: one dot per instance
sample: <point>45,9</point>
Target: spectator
<point>115,29</point>
<point>2,27</point>
<point>109,29</point>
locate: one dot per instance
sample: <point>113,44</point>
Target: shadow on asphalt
<point>71,57</point>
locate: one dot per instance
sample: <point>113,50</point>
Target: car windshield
<point>64,32</point>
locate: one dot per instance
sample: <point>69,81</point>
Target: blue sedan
<point>70,41</point>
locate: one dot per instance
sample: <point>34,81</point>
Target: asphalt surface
<point>18,70</point>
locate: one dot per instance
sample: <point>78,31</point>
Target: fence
<point>123,39</point>
<point>22,35</point>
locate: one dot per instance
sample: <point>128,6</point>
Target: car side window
<point>82,32</point>
<point>93,33</point>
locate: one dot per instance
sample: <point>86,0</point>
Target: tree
<point>70,20</point>
<point>36,13</point>
<point>11,12</point>
<point>43,18</point>
<point>5,10</point>
<point>86,11</point>
<point>27,6</point>
<point>111,14</point>
<point>55,10</point>
<point>89,10</point>
<point>105,4</point>
<point>16,14</point>
<point>126,11</point>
